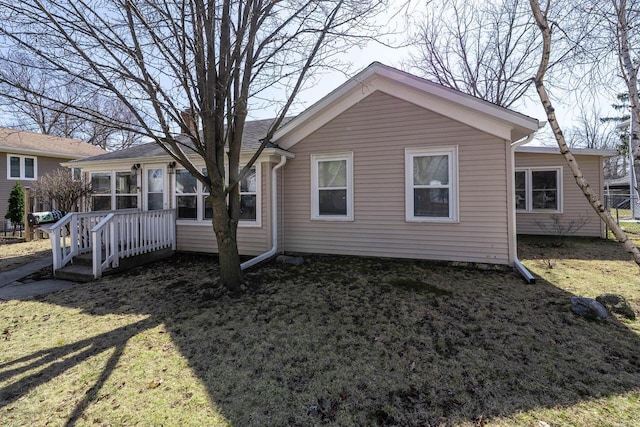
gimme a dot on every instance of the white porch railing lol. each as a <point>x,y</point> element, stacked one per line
<point>111,236</point>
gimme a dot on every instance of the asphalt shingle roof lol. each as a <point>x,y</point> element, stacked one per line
<point>18,139</point>
<point>254,131</point>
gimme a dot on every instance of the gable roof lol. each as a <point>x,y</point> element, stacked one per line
<point>22,142</point>
<point>475,112</point>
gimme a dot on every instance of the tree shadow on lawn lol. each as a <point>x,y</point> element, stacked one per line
<point>363,341</point>
<point>575,248</point>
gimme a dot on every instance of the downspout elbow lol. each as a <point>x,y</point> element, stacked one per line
<point>274,219</point>
<point>526,274</point>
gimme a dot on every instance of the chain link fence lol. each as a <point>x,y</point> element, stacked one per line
<point>625,209</point>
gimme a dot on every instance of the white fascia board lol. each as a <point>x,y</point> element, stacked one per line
<point>497,121</point>
<point>120,163</point>
<point>575,151</point>
<point>42,153</point>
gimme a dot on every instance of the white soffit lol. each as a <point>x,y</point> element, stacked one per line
<point>481,115</point>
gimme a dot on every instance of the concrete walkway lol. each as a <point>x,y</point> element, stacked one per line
<point>12,288</point>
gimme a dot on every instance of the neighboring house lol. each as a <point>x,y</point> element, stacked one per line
<point>387,165</point>
<point>26,156</point>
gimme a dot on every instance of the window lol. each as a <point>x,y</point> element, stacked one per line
<point>206,207</point>
<point>114,190</point>
<point>431,192</point>
<point>538,190</point>
<point>76,174</point>
<point>249,196</point>
<point>332,187</point>
<point>101,191</point>
<point>191,195</point>
<point>21,167</point>
<point>186,195</point>
<point>126,190</point>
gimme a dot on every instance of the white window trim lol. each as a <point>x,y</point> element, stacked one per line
<point>258,220</point>
<point>452,153</point>
<point>315,208</point>
<point>529,190</point>
<point>112,185</point>
<point>201,193</point>
<point>22,176</point>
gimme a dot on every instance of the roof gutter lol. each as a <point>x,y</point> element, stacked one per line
<point>274,219</point>
<point>43,153</point>
<point>528,277</point>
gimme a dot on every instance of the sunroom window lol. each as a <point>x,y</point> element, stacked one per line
<point>114,190</point>
<point>101,191</point>
<point>126,190</point>
<point>191,197</point>
<point>186,195</point>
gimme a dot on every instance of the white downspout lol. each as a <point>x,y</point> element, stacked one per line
<point>530,278</point>
<point>274,219</point>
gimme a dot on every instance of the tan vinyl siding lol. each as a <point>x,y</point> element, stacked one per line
<point>377,131</point>
<point>575,205</point>
<point>252,240</point>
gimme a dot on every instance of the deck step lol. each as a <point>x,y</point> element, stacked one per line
<point>84,259</point>
<point>75,273</point>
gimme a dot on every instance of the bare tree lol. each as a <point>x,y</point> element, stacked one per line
<point>594,131</point>
<point>486,49</point>
<point>162,57</point>
<point>541,17</point>
<point>46,101</point>
<point>626,14</point>
<point>60,188</point>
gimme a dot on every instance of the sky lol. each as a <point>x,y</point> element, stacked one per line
<point>567,104</point>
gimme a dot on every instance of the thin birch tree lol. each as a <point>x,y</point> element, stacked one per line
<point>541,17</point>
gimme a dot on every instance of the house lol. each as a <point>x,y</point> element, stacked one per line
<point>386,165</point>
<point>25,156</point>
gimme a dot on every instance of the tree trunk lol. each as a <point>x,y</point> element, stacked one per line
<point>226,237</point>
<point>588,192</point>
<point>630,74</point>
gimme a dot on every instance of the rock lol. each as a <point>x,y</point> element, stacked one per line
<point>290,260</point>
<point>588,308</point>
<point>617,304</point>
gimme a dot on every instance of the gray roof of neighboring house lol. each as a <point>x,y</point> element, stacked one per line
<point>37,143</point>
<point>621,181</point>
<point>254,131</point>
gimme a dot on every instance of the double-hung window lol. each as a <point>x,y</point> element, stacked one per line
<point>431,184</point>
<point>249,196</point>
<point>21,167</point>
<point>332,187</point>
<point>538,189</point>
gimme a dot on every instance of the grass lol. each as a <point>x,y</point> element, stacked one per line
<point>336,341</point>
<point>13,255</point>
